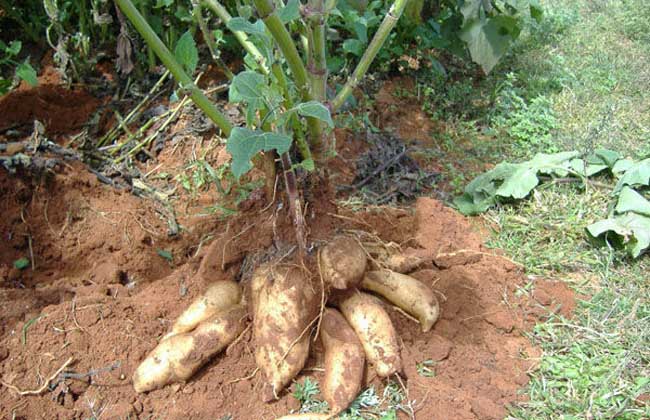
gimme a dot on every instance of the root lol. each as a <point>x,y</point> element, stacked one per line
<point>43,387</point>
<point>322,297</point>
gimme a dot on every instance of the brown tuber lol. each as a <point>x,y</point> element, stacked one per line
<point>342,262</point>
<point>344,361</point>
<point>375,331</point>
<point>176,358</point>
<point>407,293</point>
<point>284,306</point>
<point>218,297</point>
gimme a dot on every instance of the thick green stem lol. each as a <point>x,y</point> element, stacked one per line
<point>223,14</point>
<point>317,64</point>
<point>197,12</point>
<point>377,42</point>
<point>151,56</point>
<point>266,10</point>
<point>168,59</point>
<point>298,133</point>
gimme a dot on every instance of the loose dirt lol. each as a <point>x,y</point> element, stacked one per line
<point>103,291</point>
<point>103,295</point>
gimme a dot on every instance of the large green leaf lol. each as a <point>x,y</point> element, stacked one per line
<point>243,144</point>
<point>630,231</point>
<point>247,86</point>
<point>186,52</point>
<point>487,40</point>
<point>636,174</point>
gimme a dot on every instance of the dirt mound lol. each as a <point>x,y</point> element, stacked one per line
<point>103,295</point>
<point>59,109</point>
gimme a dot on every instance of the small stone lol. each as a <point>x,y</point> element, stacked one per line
<point>188,390</point>
<point>122,377</point>
<point>138,407</point>
<point>439,347</point>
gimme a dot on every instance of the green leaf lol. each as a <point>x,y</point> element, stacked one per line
<point>354,46</point>
<point>186,52</point>
<point>22,263</point>
<point>165,254</point>
<point>605,157</point>
<point>247,86</point>
<point>631,201</point>
<point>536,11</point>
<point>637,174</point>
<point>243,25</point>
<point>290,12</point>
<point>14,48</point>
<point>630,231</point>
<point>511,181</point>
<point>243,144</point>
<point>584,168</point>
<point>621,166</point>
<point>27,73</point>
<point>315,109</point>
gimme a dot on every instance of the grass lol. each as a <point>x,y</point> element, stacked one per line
<point>577,81</point>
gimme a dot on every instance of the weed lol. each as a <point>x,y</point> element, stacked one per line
<point>426,368</point>
<point>530,124</point>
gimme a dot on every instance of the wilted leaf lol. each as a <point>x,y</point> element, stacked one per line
<point>511,181</point>
<point>630,231</point>
<point>631,201</point>
<point>186,52</point>
<point>243,144</point>
<point>636,174</point>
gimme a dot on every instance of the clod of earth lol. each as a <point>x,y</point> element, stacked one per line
<point>287,303</point>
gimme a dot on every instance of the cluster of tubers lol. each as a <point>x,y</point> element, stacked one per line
<point>285,306</point>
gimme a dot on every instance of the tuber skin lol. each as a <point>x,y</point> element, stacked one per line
<point>343,262</point>
<point>178,357</point>
<point>375,331</point>
<point>344,361</point>
<point>218,297</point>
<point>284,305</point>
<point>406,292</point>
<point>404,263</point>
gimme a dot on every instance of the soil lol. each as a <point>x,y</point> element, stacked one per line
<point>102,290</point>
<point>58,108</point>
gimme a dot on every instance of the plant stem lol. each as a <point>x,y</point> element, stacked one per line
<point>317,64</point>
<point>298,133</point>
<point>197,12</point>
<point>266,10</point>
<point>168,59</point>
<point>369,55</point>
<point>223,14</point>
<point>151,56</point>
<point>295,204</point>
